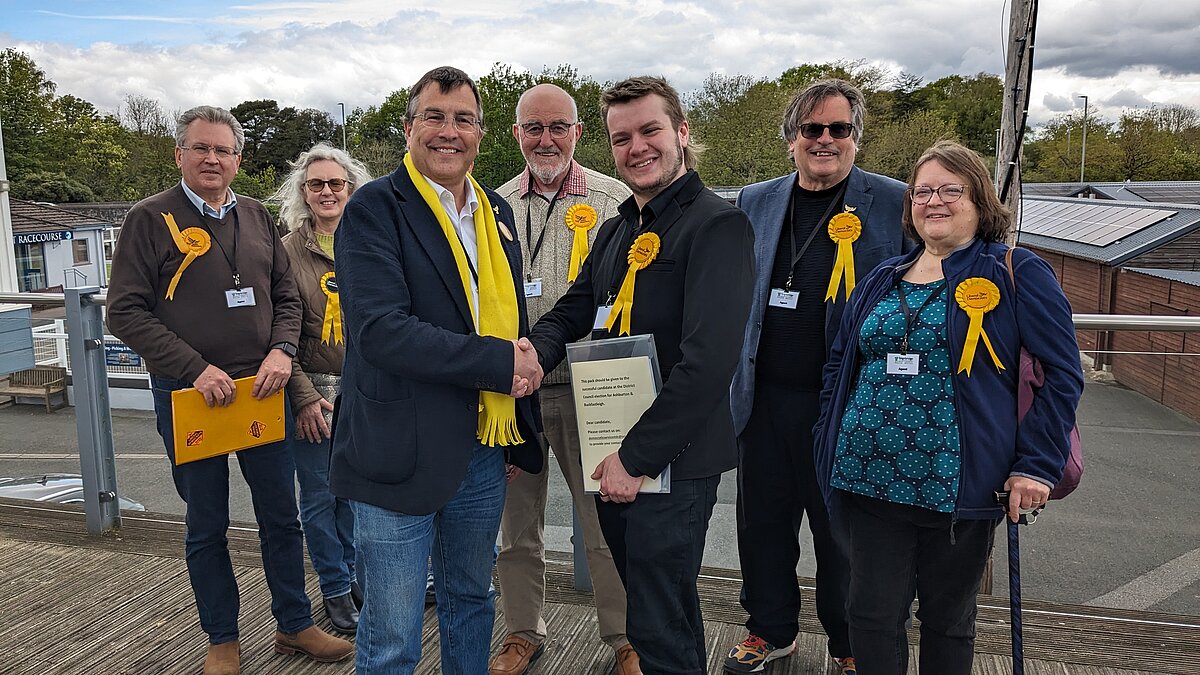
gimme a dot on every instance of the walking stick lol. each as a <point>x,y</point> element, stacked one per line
<point>1014,596</point>
<point>1014,580</point>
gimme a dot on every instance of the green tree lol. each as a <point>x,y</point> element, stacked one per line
<point>736,119</point>
<point>275,136</point>
<point>150,142</point>
<point>376,133</point>
<point>499,154</point>
<point>89,147</point>
<point>52,186</point>
<point>1145,151</point>
<point>260,184</point>
<point>26,109</point>
<point>895,146</point>
<point>972,105</point>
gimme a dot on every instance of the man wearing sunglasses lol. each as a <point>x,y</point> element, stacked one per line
<point>558,206</point>
<point>804,276</point>
<point>202,289</point>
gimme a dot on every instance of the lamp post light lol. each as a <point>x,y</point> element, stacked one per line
<point>1083,147</point>
<point>343,107</point>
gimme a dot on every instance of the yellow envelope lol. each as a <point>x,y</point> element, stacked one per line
<point>201,432</point>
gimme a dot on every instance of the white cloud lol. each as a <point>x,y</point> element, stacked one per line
<point>316,53</point>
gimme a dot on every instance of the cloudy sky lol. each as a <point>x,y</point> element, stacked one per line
<point>315,53</point>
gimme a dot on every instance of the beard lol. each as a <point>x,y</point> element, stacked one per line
<point>546,173</point>
<point>668,175</point>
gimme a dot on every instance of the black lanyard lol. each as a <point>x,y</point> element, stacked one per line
<point>791,224</point>
<point>232,260</point>
<point>910,317</point>
<point>537,247</point>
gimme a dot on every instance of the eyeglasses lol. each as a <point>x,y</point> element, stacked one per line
<point>813,131</point>
<point>559,130</point>
<point>950,193</point>
<point>201,150</point>
<point>335,184</point>
<point>436,119</point>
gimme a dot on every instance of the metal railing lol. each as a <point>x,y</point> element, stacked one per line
<point>86,360</point>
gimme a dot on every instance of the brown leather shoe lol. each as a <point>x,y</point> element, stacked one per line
<point>515,656</point>
<point>314,643</point>
<point>628,662</point>
<point>223,659</point>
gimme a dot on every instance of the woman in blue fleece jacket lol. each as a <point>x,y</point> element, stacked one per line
<point>919,420</point>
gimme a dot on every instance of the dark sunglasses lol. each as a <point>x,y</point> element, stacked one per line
<point>813,131</point>
<point>335,184</point>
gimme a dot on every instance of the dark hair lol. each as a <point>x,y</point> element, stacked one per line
<point>805,101</point>
<point>448,78</point>
<point>639,87</point>
<point>995,219</point>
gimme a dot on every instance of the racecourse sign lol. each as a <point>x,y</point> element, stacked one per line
<point>42,237</point>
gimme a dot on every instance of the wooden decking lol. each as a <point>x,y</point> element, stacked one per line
<point>70,603</point>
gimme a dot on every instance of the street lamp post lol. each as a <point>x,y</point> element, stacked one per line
<point>1083,147</point>
<point>343,107</point>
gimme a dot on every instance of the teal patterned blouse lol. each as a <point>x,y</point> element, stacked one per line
<point>899,437</point>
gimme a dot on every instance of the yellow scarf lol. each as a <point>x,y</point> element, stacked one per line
<point>497,299</point>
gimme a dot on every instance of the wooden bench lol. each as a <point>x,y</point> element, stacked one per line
<point>44,382</point>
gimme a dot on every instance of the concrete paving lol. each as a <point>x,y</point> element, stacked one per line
<point>1128,538</point>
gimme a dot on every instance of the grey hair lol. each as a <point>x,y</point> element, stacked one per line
<point>293,210</point>
<point>806,101</point>
<point>212,114</point>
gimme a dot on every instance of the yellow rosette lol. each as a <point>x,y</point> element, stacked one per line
<point>192,243</point>
<point>976,296</point>
<point>331,328</point>
<point>641,254</point>
<point>580,218</point>
<point>844,230</point>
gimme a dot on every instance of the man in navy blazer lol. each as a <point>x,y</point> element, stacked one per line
<point>406,446</point>
<point>776,390</point>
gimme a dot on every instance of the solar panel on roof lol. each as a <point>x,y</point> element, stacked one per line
<point>1087,223</point>
<point>1179,194</point>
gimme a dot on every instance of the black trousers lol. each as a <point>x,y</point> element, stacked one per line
<point>657,544</point>
<point>777,485</point>
<point>896,552</point>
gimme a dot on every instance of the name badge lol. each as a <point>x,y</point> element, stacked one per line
<point>533,288</point>
<point>601,317</point>
<point>240,297</point>
<point>784,299</point>
<point>903,364</point>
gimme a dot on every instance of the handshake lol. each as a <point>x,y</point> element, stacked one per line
<point>527,370</point>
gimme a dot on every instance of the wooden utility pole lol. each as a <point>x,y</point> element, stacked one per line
<point>1018,72</point>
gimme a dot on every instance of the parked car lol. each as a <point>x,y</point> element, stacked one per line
<point>61,488</point>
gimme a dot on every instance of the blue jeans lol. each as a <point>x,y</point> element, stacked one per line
<point>328,521</point>
<point>393,550</point>
<point>204,486</point>
<point>897,552</point>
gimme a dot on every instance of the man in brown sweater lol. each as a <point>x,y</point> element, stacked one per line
<point>201,289</point>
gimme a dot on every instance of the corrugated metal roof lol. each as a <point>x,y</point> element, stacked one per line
<point>1169,191</point>
<point>1044,225</point>
<point>37,217</point>
<point>1183,276</point>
